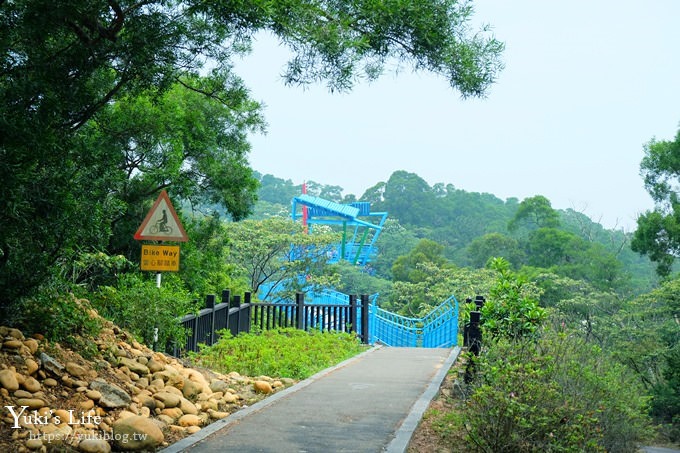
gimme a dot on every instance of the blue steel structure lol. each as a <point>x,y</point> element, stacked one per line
<point>365,225</point>
<point>439,329</point>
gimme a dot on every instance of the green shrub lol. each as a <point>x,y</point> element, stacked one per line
<point>136,304</point>
<point>556,393</point>
<point>282,352</point>
<point>60,316</point>
<point>509,311</point>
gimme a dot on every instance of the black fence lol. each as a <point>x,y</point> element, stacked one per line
<point>239,315</point>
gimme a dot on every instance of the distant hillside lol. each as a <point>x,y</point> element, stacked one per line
<point>457,219</point>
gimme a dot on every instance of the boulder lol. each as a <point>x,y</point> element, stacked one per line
<point>32,345</point>
<point>155,366</point>
<point>75,370</point>
<point>218,385</point>
<point>12,344</point>
<point>34,444</point>
<point>168,399</point>
<point>94,446</point>
<point>8,380</point>
<point>189,420</point>
<point>112,396</point>
<point>52,365</point>
<point>32,403</point>
<point>31,384</point>
<point>31,366</point>
<point>187,406</point>
<point>137,433</point>
<point>191,389</point>
<point>134,366</point>
<point>263,387</point>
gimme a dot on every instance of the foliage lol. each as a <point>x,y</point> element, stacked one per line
<point>283,353</point>
<point>644,336</point>
<point>535,212</point>
<point>60,316</point>
<point>553,393</point>
<point>494,245</point>
<point>205,268</point>
<point>418,299</point>
<point>511,311</point>
<point>89,270</point>
<point>408,268</point>
<point>394,241</point>
<point>104,103</point>
<point>136,304</point>
<point>275,251</point>
<point>658,232</point>
<point>356,280</point>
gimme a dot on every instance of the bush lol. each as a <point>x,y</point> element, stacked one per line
<point>136,304</point>
<point>60,316</point>
<point>554,394</point>
<point>510,312</point>
<point>282,352</point>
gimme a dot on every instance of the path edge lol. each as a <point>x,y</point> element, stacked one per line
<point>189,441</point>
<point>404,433</point>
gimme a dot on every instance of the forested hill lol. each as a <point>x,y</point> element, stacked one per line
<point>471,227</point>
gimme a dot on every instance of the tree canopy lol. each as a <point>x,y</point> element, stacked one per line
<point>658,232</point>
<point>99,105</point>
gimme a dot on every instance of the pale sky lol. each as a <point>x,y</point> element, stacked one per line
<point>586,84</point>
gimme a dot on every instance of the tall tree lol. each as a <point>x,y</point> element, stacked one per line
<point>275,251</point>
<point>535,212</point>
<point>63,64</point>
<point>658,232</point>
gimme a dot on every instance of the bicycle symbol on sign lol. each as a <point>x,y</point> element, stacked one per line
<point>161,225</point>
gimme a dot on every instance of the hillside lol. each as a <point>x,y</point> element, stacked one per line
<point>470,226</point>
<point>124,397</point>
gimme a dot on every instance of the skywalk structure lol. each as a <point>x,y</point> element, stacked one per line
<point>360,227</point>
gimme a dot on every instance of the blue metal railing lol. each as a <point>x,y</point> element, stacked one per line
<point>439,329</point>
<point>440,326</point>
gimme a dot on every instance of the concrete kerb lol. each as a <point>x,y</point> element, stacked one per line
<point>403,435</point>
<point>188,442</point>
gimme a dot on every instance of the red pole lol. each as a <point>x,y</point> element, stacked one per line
<point>304,210</point>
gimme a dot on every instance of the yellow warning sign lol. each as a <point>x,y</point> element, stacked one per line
<point>160,258</point>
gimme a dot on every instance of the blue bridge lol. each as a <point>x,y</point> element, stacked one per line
<point>439,329</point>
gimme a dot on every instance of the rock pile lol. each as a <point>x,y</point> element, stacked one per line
<point>129,398</point>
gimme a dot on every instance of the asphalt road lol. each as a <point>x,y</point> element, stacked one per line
<point>371,403</point>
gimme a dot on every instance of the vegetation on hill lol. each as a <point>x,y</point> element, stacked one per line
<point>105,104</point>
<point>595,289</point>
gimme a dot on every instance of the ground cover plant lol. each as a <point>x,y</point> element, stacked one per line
<point>285,352</point>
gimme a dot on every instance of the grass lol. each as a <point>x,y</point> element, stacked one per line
<point>286,352</point>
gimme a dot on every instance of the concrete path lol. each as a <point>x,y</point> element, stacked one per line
<point>370,403</point>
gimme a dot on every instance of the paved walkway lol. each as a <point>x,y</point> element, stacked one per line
<point>370,403</point>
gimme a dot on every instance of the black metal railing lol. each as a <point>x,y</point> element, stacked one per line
<point>239,316</point>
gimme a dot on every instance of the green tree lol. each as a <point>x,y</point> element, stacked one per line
<point>658,232</point>
<point>65,65</point>
<point>180,139</point>
<point>534,212</point>
<point>555,392</point>
<point>406,269</point>
<point>512,309</point>
<point>494,245</point>
<point>275,251</point>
